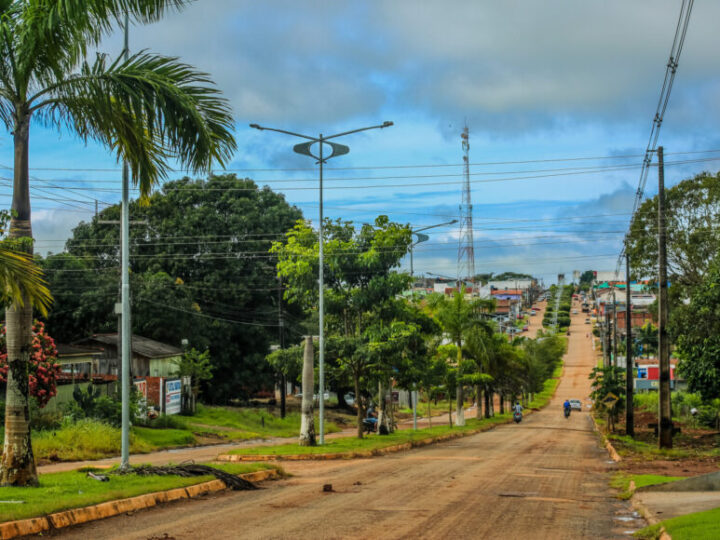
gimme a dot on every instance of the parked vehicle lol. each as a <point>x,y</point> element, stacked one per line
<point>369,425</point>
<point>587,321</point>
<point>576,405</point>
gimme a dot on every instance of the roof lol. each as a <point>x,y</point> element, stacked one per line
<point>65,350</point>
<point>514,292</point>
<point>143,346</point>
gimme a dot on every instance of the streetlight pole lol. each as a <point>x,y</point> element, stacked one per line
<point>337,150</point>
<point>421,238</point>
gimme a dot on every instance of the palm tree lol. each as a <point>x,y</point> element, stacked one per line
<point>20,279</point>
<point>457,317</point>
<point>147,109</point>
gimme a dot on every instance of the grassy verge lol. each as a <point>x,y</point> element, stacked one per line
<point>698,526</point>
<point>374,442</point>
<point>627,446</point>
<point>543,397</point>
<point>74,489</point>
<point>621,481</point>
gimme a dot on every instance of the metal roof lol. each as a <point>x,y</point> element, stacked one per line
<point>143,346</point>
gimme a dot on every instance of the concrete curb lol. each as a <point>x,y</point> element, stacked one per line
<point>645,512</point>
<point>76,516</point>
<point>360,453</point>
<point>608,445</point>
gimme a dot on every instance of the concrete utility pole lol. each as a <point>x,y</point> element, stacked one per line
<point>125,280</point>
<point>281,337</point>
<point>629,378</point>
<point>664,411</point>
<point>615,331</point>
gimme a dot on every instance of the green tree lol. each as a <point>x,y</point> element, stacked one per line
<point>362,312</point>
<point>146,109</point>
<point>693,238</point>
<point>606,381</point>
<point>201,259</point>
<point>198,366</point>
<point>647,338</point>
<point>457,317</point>
<point>697,329</point>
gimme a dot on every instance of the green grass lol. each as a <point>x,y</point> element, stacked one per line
<point>373,442</point>
<point>627,446</point>
<point>697,526</point>
<point>164,438</point>
<point>621,481</point>
<point>236,423</point>
<point>74,489</point>
<point>85,439</point>
<point>542,398</point>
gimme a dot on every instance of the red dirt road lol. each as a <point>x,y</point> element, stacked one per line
<point>544,478</point>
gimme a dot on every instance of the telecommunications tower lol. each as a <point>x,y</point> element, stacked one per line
<point>466,246</point>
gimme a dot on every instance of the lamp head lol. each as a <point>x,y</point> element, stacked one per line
<point>387,123</point>
<point>256,126</point>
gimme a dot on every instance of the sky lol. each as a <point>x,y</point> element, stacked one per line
<point>558,97</point>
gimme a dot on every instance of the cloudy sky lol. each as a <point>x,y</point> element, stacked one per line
<point>558,96</point>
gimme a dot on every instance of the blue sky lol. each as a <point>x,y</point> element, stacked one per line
<point>537,82</point>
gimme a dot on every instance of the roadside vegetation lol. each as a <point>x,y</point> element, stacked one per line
<point>75,489</point>
<point>695,526</point>
<point>621,481</point>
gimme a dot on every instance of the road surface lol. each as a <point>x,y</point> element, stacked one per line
<point>544,478</point>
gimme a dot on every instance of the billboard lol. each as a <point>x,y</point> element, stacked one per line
<point>173,396</point>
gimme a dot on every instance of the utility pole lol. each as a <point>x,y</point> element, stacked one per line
<point>281,336</point>
<point>615,331</point>
<point>125,280</point>
<point>629,378</point>
<point>664,411</point>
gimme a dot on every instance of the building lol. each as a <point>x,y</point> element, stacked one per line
<point>149,358</point>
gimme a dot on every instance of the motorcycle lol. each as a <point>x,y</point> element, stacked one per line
<point>517,416</point>
<point>368,425</point>
<point>567,412</point>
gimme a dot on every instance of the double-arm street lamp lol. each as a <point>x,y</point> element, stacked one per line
<point>424,238</point>
<point>336,150</point>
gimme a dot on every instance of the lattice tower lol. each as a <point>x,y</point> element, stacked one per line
<point>466,246</point>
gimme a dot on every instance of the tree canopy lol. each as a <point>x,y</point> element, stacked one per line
<point>200,270</point>
<point>693,238</point>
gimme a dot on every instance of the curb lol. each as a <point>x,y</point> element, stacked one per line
<point>360,453</point>
<point>608,445</point>
<point>645,512</point>
<point>76,516</point>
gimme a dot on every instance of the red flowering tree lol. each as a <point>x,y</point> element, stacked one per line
<point>43,368</point>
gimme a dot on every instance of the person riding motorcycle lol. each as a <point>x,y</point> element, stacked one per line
<point>517,407</point>
<point>566,407</point>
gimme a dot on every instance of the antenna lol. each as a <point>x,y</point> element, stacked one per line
<point>466,246</point>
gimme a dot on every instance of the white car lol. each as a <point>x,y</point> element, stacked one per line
<point>575,405</point>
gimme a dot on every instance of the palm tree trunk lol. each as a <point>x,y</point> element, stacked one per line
<point>460,414</point>
<point>17,467</point>
<point>478,400</point>
<point>307,418</point>
<point>487,397</point>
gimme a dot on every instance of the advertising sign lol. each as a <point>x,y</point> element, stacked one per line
<point>173,388</point>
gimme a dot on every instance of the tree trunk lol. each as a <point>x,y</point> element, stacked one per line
<point>383,423</point>
<point>360,411</point>
<point>460,414</point>
<point>307,418</point>
<point>17,466</point>
<point>502,404</point>
<point>487,404</point>
<point>429,411</point>
<point>478,400</point>
<point>450,410</point>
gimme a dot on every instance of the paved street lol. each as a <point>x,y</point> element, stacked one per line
<point>544,478</point>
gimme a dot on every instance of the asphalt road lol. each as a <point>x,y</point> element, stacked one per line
<point>544,478</point>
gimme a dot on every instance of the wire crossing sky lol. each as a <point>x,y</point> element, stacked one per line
<point>557,96</point>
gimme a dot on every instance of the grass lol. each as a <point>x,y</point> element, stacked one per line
<point>74,489</point>
<point>627,446</point>
<point>543,397</point>
<point>85,439</point>
<point>697,526</point>
<point>374,442</point>
<point>621,481</point>
<point>164,438</point>
<point>235,423</point>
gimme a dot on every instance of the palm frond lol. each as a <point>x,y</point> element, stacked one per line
<point>148,109</point>
<point>21,278</point>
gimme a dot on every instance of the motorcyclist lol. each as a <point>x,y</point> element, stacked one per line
<point>517,408</point>
<point>566,407</point>
<point>371,418</point>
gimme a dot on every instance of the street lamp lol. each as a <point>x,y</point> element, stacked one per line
<point>421,238</point>
<point>424,238</point>
<point>336,150</point>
